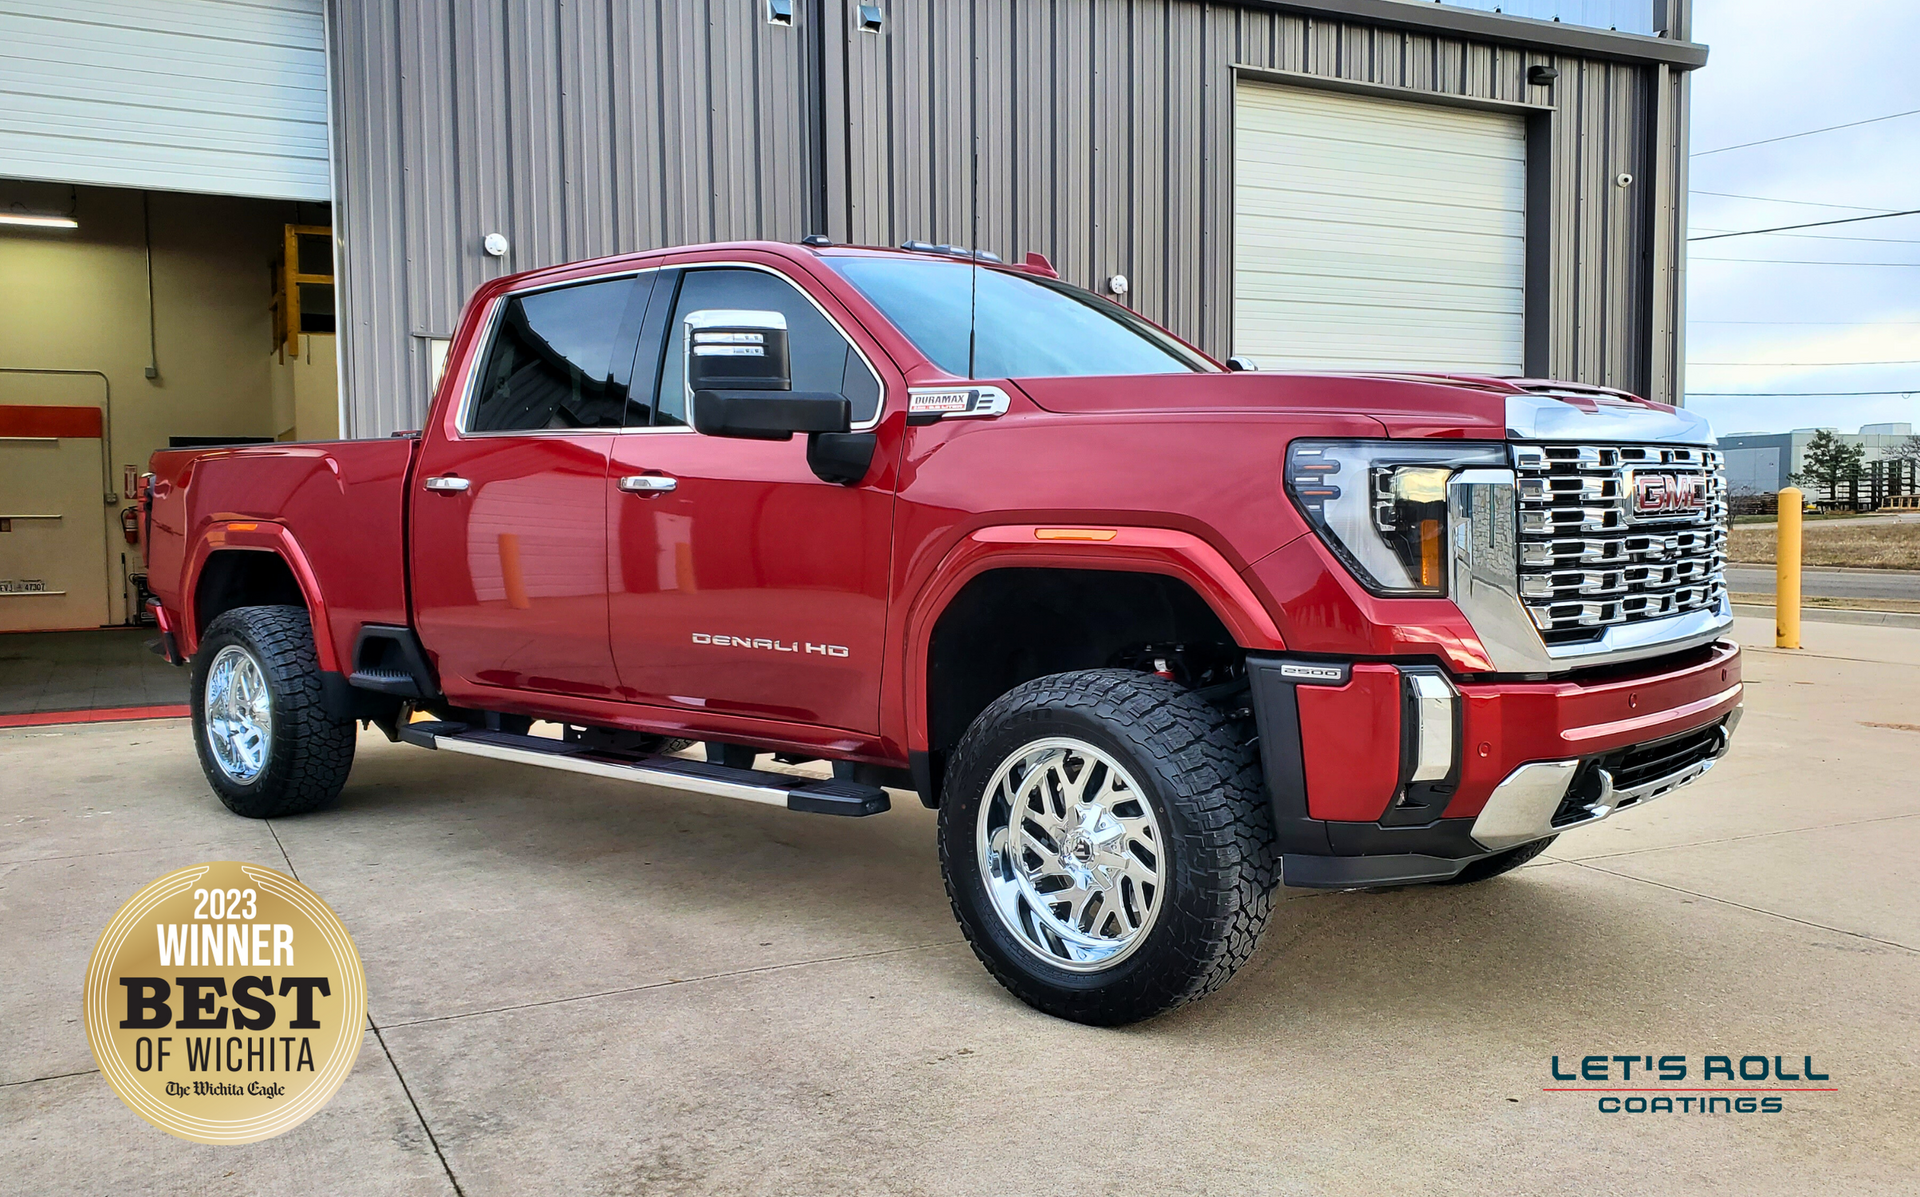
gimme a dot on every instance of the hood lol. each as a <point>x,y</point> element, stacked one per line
<point>1448,406</point>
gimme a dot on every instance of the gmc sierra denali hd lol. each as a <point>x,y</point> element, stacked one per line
<point>1152,634</point>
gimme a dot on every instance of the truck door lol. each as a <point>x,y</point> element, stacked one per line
<point>509,529</point>
<point>741,584</point>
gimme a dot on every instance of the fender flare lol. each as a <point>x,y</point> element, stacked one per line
<point>1163,551</point>
<point>255,536</point>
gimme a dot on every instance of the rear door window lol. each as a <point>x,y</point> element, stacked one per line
<point>556,362</point>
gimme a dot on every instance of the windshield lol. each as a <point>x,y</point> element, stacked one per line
<point>1027,327</point>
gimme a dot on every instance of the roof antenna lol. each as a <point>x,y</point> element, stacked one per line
<point>973,279</point>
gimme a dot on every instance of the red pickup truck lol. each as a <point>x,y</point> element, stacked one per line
<point>1152,633</point>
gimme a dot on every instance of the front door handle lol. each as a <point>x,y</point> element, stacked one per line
<point>648,484</point>
<point>448,484</point>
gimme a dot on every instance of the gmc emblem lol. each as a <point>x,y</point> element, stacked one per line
<point>1658,493</point>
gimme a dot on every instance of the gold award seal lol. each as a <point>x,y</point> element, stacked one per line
<point>225,1003</point>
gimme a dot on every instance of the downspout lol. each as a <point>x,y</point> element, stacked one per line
<point>153,340</point>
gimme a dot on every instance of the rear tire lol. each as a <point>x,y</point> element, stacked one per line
<point>1140,871</point>
<point>1499,862</point>
<point>265,741</point>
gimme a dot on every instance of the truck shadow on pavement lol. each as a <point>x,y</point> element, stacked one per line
<point>679,886</point>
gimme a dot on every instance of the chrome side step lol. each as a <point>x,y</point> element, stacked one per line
<point>820,796</point>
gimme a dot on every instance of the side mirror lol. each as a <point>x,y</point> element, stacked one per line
<point>736,350</point>
<point>1238,364</point>
<point>740,380</point>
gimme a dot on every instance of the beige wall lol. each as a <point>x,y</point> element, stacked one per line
<point>306,390</point>
<point>77,299</point>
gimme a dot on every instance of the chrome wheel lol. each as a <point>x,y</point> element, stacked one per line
<point>1071,854</point>
<point>239,715</point>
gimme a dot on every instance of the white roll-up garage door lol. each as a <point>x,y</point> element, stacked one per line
<point>1374,234</point>
<point>220,96</point>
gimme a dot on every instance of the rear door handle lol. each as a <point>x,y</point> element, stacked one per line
<point>648,484</point>
<point>448,484</point>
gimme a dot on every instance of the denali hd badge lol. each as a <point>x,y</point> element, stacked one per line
<point>1655,493</point>
<point>766,645</point>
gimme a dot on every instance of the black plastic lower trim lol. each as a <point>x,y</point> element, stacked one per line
<point>1360,872</point>
<point>925,771</point>
<point>1324,854</point>
<point>166,649</point>
<point>1276,713</point>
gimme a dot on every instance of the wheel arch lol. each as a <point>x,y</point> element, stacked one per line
<point>246,564</point>
<point>1120,582</point>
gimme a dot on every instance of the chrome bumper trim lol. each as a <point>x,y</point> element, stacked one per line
<point>1521,807</point>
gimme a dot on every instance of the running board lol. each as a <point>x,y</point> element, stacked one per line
<point>820,796</point>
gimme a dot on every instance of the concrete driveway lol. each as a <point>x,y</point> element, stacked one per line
<point>583,987</point>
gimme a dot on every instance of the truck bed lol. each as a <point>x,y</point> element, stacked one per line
<point>338,505</point>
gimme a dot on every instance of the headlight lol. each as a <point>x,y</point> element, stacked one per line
<point>1381,506</point>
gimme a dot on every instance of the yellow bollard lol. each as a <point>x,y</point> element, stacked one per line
<point>1786,571</point>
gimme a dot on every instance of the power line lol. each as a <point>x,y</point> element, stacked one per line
<point>1774,365</point>
<point>1872,120</point>
<point>1802,323</point>
<point>1825,237</point>
<point>1817,224</point>
<point>1792,394</point>
<point>1799,262</point>
<point>1767,199</point>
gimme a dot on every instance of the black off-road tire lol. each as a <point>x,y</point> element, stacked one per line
<point>1499,862</point>
<point>309,754</point>
<point>1207,795</point>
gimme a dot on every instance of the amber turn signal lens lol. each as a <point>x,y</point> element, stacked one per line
<point>1430,553</point>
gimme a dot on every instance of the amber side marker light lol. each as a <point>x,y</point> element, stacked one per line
<point>1430,553</point>
<point>1075,533</point>
<point>243,527</point>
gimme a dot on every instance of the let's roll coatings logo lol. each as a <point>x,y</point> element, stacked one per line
<point>225,1003</point>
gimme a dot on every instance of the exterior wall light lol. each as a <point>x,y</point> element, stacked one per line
<point>1117,284</point>
<point>1542,75</point>
<point>495,244</point>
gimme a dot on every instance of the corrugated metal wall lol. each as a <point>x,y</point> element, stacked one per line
<point>586,127</point>
<point>577,128</point>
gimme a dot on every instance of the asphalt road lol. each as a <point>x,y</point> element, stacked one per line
<point>1830,583</point>
<point>590,987</point>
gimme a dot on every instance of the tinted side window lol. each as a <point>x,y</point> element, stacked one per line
<point>551,364</point>
<point>1023,327</point>
<point>822,360</point>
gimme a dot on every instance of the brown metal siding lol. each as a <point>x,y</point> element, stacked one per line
<point>577,128</point>
<point>586,127</point>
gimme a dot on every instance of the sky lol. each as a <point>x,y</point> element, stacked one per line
<point>1780,67</point>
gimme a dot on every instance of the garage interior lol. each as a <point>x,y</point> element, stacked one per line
<point>166,247</point>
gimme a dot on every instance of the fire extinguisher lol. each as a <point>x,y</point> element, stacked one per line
<point>130,524</point>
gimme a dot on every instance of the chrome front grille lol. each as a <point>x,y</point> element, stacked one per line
<point>1618,534</point>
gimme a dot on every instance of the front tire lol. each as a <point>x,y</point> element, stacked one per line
<point>265,741</point>
<point>1107,845</point>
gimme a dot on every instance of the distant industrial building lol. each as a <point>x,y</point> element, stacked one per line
<point>1761,463</point>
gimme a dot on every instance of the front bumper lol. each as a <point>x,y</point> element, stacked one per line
<point>1384,773</point>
